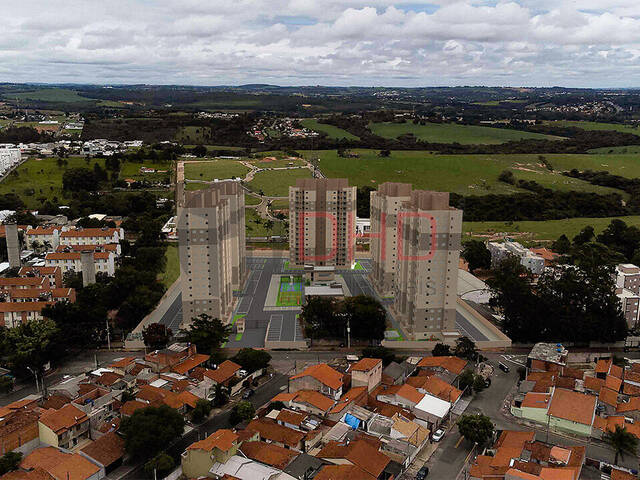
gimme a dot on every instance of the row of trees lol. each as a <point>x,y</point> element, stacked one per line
<point>328,318</point>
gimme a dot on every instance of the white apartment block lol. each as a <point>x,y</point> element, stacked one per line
<point>210,225</point>
<point>13,314</point>
<point>104,261</point>
<point>48,237</point>
<point>529,260</point>
<point>322,223</point>
<point>91,236</point>
<point>9,157</point>
<point>628,291</point>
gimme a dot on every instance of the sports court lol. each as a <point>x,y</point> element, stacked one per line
<point>290,291</point>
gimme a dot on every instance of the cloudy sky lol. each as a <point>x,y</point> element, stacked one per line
<point>582,43</point>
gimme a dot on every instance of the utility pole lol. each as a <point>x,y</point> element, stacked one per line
<point>348,333</point>
<point>108,335</point>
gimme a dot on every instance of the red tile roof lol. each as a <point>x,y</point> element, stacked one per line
<point>574,406</point>
<point>131,406</point>
<point>324,374</point>
<point>225,371</point>
<point>269,454</point>
<point>315,399</point>
<point>190,363</point>
<point>107,449</point>
<point>450,363</point>
<point>270,430</point>
<point>343,472</point>
<point>405,391</point>
<point>61,465</point>
<point>359,453</point>
<point>61,420</point>
<point>222,439</point>
<point>366,364</point>
<point>90,232</point>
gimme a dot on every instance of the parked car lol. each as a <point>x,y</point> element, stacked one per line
<point>437,435</point>
<point>422,473</point>
<point>242,373</point>
<point>503,367</point>
<point>247,393</point>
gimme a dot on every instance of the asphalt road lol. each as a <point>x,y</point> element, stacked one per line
<point>263,394</point>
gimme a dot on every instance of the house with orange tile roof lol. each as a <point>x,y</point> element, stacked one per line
<point>359,453</point>
<point>343,472</point>
<point>130,406</point>
<point>270,431</point>
<point>290,418</point>
<point>320,377</point>
<point>268,453</point>
<point>404,395</point>
<point>617,474</point>
<point>63,428</point>
<point>54,274</point>
<point>108,451</point>
<point>438,388</point>
<point>200,456</point>
<point>189,364</point>
<point>45,236</point>
<point>312,401</point>
<point>356,395</point>
<point>547,357</point>
<point>226,372</point>
<point>13,314</point>
<point>19,430</point>
<point>62,465</point>
<point>451,364</point>
<point>572,411</point>
<point>164,360</point>
<point>366,372</point>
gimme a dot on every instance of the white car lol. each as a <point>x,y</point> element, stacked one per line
<point>437,436</point>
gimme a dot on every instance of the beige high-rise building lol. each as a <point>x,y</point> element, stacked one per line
<point>210,225</point>
<point>415,250</point>
<point>322,224</point>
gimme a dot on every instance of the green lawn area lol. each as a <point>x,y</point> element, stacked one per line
<point>212,169</point>
<point>217,147</point>
<point>451,132</point>
<point>172,268</point>
<point>279,162</point>
<point>467,174</point>
<point>280,205</point>
<point>132,170</point>
<point>41,178</point>
<point>49,95</point>
<point>254,229</point>
<point>330,130</point>
<point>597,126</point>
<point>544,230</point>
<point>275,183</point>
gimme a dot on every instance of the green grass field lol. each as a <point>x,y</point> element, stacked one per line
<point>332,131</point>
<point>251,200</point>
<point>212,169</point>
<point>616,150</point>
<point>275,183</point>
<point>172,267</point>
<point>279,162</point>
<point>49,95</point>
<point>258,229</point>
<point>280,205</point>
<point>451,132</point>
<point>132,170</point>
<point>597,126</point>
<point>41,178</point>
<point>467,174</point>
<point>544,230</point>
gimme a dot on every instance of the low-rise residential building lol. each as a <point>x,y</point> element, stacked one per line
<point>366,372</point>
<point>47,238</point>
<point>104,261</point>
<point>64,427</point>
<point>13,314</point>
<point>91,236</point>
<point>531,261</point>
<point>320,377</point>
<point>58,464</point>
<point>19,429</point>
<point>200,457</point>
<point>54,274</point>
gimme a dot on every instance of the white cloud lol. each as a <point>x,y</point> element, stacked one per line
<point>357,42</point>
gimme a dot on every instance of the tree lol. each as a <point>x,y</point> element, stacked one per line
<point>465,381</point>
<point>466,348</point>
<point>162,463</point>
<point>220,396</point>
<point>156,335</point>
<point>478,383</point>
<point>367,316</point>
<point>585,236</point>
<point>200,150</point>
<point>9,462</point>
<point>6,384</point>
<point>252,360</point>
<point>562,245</point>
<point>385,354</point>
<point>441,350</point>
<point>242,411</point>
<point>507,176</point>
<point>385,153</point>
<point>201,411</point>
<point>621,441</point>
<point>207,333</point>
<point>277,405</point>
<point>476,428</point>
<point>476,254</point>
<point>149,430</point>
<point>31,345</point>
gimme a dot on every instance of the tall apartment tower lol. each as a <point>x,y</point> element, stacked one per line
<point>322,224</point>
<point>210,225</point>
<point>88,267</point>
<point>386,202</point>
<point>415,249</point>
<point>13,245</point>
